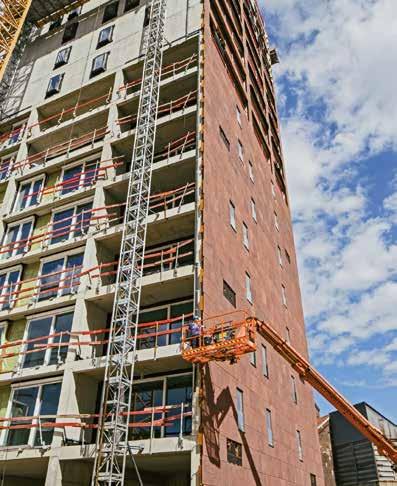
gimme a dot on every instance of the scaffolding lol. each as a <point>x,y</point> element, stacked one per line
<point>112,441</point>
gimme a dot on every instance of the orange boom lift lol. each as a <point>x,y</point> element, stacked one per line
<point>226,339</point>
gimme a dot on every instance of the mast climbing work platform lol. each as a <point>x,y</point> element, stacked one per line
<point>112,440</point>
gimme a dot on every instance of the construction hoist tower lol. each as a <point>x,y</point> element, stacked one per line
<point>112,439</point>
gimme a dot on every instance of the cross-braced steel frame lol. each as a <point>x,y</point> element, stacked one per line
<point>112,440</point>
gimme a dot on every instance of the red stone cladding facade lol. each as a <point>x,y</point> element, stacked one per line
<point>226,178</point>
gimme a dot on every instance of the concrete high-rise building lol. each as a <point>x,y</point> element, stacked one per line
<point>219,240</point>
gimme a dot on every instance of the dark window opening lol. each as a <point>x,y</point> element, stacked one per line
<point>224,138</point>
<point>63,57</point>
<point>146,20</point>
<point>234,452</point>
<point>110,12</point>
<point>70,32</point>
<point>99,64</point>
<point>130,4</point>
<point>105,36</point>
<point>313,480</point>
<point>287,256</point>
<point>229,293</point>
<point>55,24</point>
<point>74,13</point>
<point>55,85</point>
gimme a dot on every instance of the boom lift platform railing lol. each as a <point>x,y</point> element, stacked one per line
<point>228,337</point>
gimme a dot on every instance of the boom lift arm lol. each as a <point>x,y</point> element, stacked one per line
<point>228,340</point>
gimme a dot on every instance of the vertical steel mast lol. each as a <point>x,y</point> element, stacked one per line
<point>112,440</point>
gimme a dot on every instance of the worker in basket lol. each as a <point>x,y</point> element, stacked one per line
<point>193,334</point>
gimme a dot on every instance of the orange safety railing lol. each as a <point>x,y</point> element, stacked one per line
<point>172,199</point>
<point>177,146</point>
<point>166,108</point>
<point>170,69</point>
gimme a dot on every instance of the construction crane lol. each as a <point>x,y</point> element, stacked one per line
<point>227,339</point>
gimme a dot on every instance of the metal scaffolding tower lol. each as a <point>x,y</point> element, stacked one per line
<point>112,440</point>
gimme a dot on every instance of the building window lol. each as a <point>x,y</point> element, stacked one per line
<point>146,20</point>
<point>229,293</point>
<point>29,402</point>
<point>79,176</point>
<point>99,64</point>
<point>240,409</point>
<point>110,12</point>
<point>273,189</point>
<point>9,282</point>
<point>16,238</point>
<point>43,331</point>
<point>130,4</point>
<point>248,290</point>
<point>6,164</point>
<point>240,150</point>
<point>280,256</point>
<point>294,390</point>
<point>18,129</point>
<point>224,138</point>
<point>284,295</point>
<point>232,215</point>
<point>70,32</point>
<point>71,223</point>
<point>105,36</point>
<point>313,480</point>
<point>299,444</point>
<point>251,171</point>
<point>287,256</point>
<point>3,332</point>
<point>245,236</point>
<point>29,193</point>
<point>253,358</point>
<point>269,428</point>
<point>276,225</point>
<point>253,210</point>
<point>238,115</point>
<point>265,365</point>
<point>55,85</point>
<point>63,57</point>
<point>287,335</point>
<point>174,316</point>
<point>74,13</point>
<point>55,24</point>
<point>60,277</point>
<point>234,452</point>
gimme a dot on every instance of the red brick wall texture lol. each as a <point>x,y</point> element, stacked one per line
<point>226,178</point>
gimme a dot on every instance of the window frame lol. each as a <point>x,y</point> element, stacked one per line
<point>251,171</point>
<point>269,427</point>
<point>276,222</point>
<point>38,403</point>
<point>240,150</point>
<point>299,444</point>
<point>133,7</point>
<point>284,295</point>
<point>280,256</point>
<point>232,215</point>
<point>109,40</point>
<point>253,210</point>
<point>265,361</point>
<point>70,28</point>
<point>29,319</point>
<point>3,331</point>
<point>53,258</point>
<point>103,68</point>
<point>108,6</point>
<point>12,159</point>
<point>248,288</point>
<point>240,409</point>
<point>224,138</point>
<point>238,116</point>
<point>12,253</point>
<point>83,162</point>
<point>4,291</point>
<point>21,124</point>
<point>74,205</point>
<point>294,390</point>
<point>246,241</point>
<point>62,62</point>
<point>55,91</point>
<point>31,181</point>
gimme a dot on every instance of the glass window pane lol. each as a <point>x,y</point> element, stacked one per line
<point>49,284</point>
<point>37,329</point>
<point>71,279</point>
<point>23,196</point>
<point>83,218</point>
<point>90,173</point>
<point>34,199</point>
<point>10,288</point>
<point>25,233</point>
<point>49,406</point>
<point>23,405</point>
<point>179,391</point>
<point>185,309</point>
<point>152,316</point>
<point>63,324</point>
<point>61,225</point>
<point>71,179</point>
<point>146,395</point>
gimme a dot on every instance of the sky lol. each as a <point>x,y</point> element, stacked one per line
<point>336,90</point>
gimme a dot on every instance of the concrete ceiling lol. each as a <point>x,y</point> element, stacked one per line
<point>42,11</point>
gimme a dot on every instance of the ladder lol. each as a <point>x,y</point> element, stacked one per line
<point>113,426</point>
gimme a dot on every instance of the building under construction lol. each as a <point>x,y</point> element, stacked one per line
<point>143,192</point>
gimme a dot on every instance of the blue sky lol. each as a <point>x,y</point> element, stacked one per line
<point>336,88</point>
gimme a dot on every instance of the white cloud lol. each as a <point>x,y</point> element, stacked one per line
<point>337,82</point>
